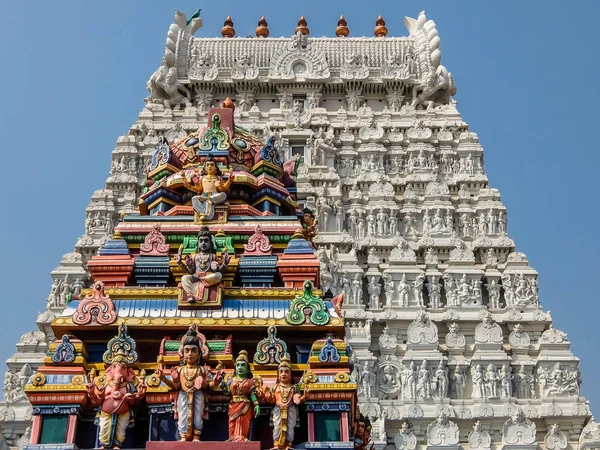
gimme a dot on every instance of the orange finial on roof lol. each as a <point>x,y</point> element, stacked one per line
<point>302,27</point>
<point>342,30</point>
<point>227,103</point>
<point>380,28</point>
<point>228,31</point>
<point>262,30</point>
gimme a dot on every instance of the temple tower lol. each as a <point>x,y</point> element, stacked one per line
<point>451,346</point>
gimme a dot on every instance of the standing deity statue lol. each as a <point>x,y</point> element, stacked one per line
<point>357,289</point>
<point>243,405</point>
<point>374,291</point>
<point>409,381</point>
<point>389,288</point>
<point>204,270</point>
<point>477,378</point>
<point>424,381</point>
<point>286,398</point>
<point>441,380</point>
<point>117,391</point>
<point>506,378</point>
<point>210,188</point>
<point>403,291</point>
<point>434,289</point>
<point>491,381</point>
<point>190,381</point>
<point>458,382</point>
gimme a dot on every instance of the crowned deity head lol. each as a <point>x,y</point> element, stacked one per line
<point>205,242</point>
<point>191,348</point>
<point>284,371</point>
<point>210,167</point>
<point>242,366</point>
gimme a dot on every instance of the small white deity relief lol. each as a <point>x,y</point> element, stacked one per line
<point>454,338</point>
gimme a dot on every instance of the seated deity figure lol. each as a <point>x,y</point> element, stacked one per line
<point>203,268</point>
<point>191,381</point>
<point>210,187</point>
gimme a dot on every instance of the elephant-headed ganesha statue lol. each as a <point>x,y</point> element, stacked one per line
<point>117,390</point>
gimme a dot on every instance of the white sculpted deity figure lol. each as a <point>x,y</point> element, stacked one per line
<point>441,381</point>
<point>519,430</point>
<point>424,381</point>
<point>479,439</point>
<point>387,340</point>
<point>477,377</point>
<point>488,331</point>
<point>405,439</point>
<point>418,289</point>
<point>346,286</point>
<point>523,383</point>
<point>442,431</point>
<point>389,384</point>
<point>374,291</point>
<point>367,379</point>
<point>389,289</point>
<point>431,256</point>
<point>409,225</point>
<point>403,291</point>
<point>506,378</point>
<point>434,288</point>
<point>458,378</point>
<point>422,330</point>
<point>555,439</point>
<point>494,294</point>
<point>491,381</point>
<point>454,338</point>
<point>519,338</point>
<point>357,289</point>
<point>409,379</point>
<point>558,381</point>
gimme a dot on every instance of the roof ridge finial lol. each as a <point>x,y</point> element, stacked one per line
<point>302,27</point>
<point>262,30</point>
<point>228,31</point>
<point>342,30</point>
<point>380,28</point>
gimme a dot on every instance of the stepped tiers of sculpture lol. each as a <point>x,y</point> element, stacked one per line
<point>299,235</point>
<point>222,328</point>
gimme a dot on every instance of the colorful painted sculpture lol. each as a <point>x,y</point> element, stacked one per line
<point>286,398</point>
<point>264,304</point>
<point>310,224</point>
<point>204,269</point>
<point>210,187</point>
<point>242,388</point>
<point>117,391</point>
<point>191,381</point>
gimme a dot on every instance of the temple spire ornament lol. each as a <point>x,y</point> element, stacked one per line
<point>342,30</point>
<point>302,27</point>
<point>262,30</point>
<point>228,31</point>
<point>380,29</point>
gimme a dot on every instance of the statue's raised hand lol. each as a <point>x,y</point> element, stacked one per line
<point>141,390</point>
<point>160,374</point>
<point>230,172</point>
<point>90,388</point>
<point>226,257</point>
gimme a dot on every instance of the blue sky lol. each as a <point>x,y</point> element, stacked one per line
<point>73,80</point>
